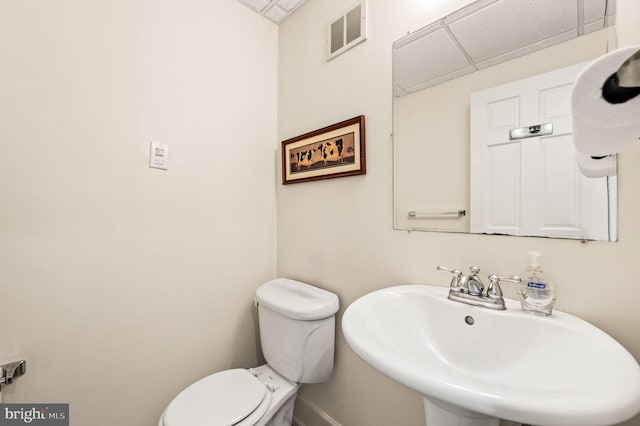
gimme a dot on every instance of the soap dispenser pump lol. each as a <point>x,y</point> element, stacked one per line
<point>536,291</point>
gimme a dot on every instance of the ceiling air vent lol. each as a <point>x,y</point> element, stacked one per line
<point>346,31</point>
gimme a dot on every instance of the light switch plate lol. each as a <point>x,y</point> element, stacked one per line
<point>159,156</point>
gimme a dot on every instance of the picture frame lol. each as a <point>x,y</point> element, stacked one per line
<point>331,152</point>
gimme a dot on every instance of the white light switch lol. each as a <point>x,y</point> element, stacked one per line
<point>159,156</point>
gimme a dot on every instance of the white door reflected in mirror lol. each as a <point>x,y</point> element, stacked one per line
<point>530,184</point>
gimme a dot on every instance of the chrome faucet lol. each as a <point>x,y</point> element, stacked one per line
<point>470,290</point>
<point>471,283</point>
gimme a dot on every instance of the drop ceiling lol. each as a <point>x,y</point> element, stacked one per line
<point>488,32</point>
<point>274,10</point>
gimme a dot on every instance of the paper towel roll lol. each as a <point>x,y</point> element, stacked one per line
<point>601,128</point>
<point>592,168</point>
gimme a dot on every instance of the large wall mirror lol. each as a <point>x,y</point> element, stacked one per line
<point>482,121</point>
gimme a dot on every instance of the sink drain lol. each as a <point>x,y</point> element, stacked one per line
<point>469,320</point>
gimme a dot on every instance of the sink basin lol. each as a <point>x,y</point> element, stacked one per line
<point>474,362</point>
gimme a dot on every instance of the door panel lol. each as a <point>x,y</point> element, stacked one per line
<point>532,186</point>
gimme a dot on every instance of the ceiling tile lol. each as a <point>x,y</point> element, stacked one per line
<point>276,14</point>
<point>488,32</point>
<point>291,4</point>
<point>531,22</point>
<point>256,4</point>
<point>274,10</point>
<point>414,64</point>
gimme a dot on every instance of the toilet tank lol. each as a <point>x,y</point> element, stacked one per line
<point>297,329</point>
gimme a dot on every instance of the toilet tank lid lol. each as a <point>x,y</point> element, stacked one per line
<point>297,300</point>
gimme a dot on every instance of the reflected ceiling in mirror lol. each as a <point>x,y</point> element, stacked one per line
<point>489,32</point>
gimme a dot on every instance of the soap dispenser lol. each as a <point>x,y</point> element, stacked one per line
<point>536,291</point>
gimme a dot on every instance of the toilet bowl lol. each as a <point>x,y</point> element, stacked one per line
<point>255,397</point>
<point>297,331</point>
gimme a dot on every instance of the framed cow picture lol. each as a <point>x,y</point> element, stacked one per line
<point>333,151</point>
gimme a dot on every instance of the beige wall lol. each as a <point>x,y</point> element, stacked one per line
<point>338,233</point>
<point>122,284</point>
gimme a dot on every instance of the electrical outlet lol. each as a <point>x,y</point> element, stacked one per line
<point>159,156</point>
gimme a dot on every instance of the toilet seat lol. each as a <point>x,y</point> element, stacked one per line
<point>230,397</point>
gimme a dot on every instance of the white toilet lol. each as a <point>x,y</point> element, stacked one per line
<point>297,332</point>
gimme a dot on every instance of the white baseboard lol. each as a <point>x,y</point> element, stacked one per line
<point>306,413</point>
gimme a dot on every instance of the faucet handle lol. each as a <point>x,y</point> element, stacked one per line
<point>456,277</point>
<point>494,291</point>
<point>444,268</point>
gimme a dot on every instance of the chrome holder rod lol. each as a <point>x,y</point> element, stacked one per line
<point>424,215</point>
<point>12,370</point>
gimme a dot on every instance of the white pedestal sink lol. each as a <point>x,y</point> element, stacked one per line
<point>475,366</point>
<point>442,414</point>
